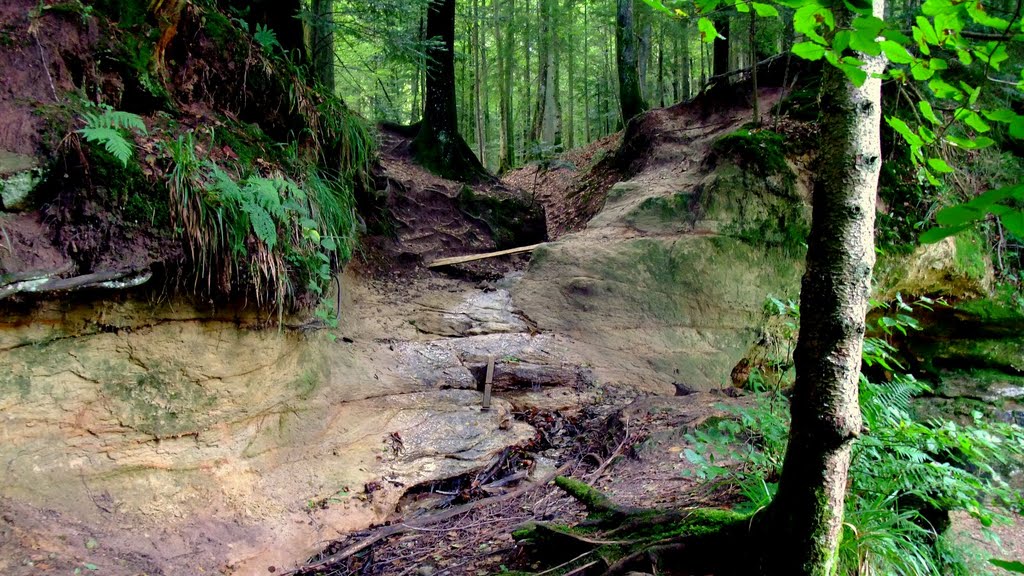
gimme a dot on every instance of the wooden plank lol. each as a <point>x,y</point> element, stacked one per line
<point>472,257</point>
<point>487,383</point>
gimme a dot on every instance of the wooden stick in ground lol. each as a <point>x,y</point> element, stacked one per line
<point>386,531</point>
<point>472,257</point>
<point>488,380</point>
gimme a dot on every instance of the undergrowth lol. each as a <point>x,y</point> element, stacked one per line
<point>906,474</point>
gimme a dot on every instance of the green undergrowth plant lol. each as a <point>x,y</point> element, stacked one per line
<point>276,235</point>
<point>108,128</point>
<point>906,474</point>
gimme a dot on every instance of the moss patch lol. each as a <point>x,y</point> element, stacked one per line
<point>161,402</point>
<point>511,220</point>
<point>760,151</point>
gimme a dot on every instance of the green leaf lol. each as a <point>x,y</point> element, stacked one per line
<point>765,10</point>
<point>1017,129</point>
<point>1004,115</point>
<point>707,29</point>
<point>929,114</point>
<point>262,224</point>
<point>1012,566</point>
<point>945,90</point>
<point>933,235</point>
<point>1014,222</point>
<point>896,52</point>
<point>939,165</point>
<point>936,7</point>
<point>111,140</point>
<point>809,50</point>
<point>927,29</point>
<point>921,72</point>
<point>856,75</point>
<point>841,41</point>
<point>901,127</point>
<point>972,119</point>
<point>958,215</point>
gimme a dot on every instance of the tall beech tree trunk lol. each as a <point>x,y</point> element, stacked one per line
<point>586,75</point>
<point>505,44</point>
<point>546,128</point>
<point>631,98</point>
<point>438,145</point>
<point>802,528</point>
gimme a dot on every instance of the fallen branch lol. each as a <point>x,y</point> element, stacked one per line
<point>472,257</point>
<point>43,283</point>
<point>387,531</point>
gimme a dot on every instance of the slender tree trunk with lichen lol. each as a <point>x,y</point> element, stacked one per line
<point>803,526</point>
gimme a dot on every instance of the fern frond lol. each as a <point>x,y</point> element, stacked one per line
<point>112,141</point>
<point>125,120</point>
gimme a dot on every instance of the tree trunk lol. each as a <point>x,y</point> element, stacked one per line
<point>281,16</point>
<point>687,72</point>
<point>721,47</point>
<point>479,90</point>
<point>644,17</point>
<point>586,75</point>
<point>321,43</point>
<point>505,44</point>
<point>570,123</point>
<point>630,97</point>
<point>545,131</point>
<point>804,523</point>
<point>438,144</point>
<point>661,65</point>
<point>753,67</point>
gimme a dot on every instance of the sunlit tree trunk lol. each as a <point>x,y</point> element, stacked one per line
<point>626,52</point>
<point>804,523</point>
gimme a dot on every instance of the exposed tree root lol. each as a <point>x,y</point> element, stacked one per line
<point>615,540</point>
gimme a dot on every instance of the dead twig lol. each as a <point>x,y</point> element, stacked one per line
<point>387,531</point>
<point>615,453</point>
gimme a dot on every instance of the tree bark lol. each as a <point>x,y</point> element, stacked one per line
<point>505,44</point>
<point>720,58</point>
<point>438,145</point>
<point>321,43</point>
<point>630,96</point>
<point>570,118</point>
<point>753,67</point>
<point>546,130</point>
<point>803,525</point>
<point>586,75</point>
<point>479,88</point>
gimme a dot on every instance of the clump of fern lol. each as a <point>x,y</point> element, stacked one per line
<point>906,474</point>
<point>265,234</point>
<point>111,129</point>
